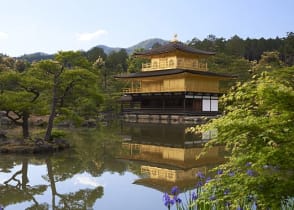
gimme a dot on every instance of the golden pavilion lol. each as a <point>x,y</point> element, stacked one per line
<point>174,85</point>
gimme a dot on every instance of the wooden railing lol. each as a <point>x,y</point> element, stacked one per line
<point>158,90</point>
<point>181,64</point>
<point>132,90</point>
<point>179,110</point>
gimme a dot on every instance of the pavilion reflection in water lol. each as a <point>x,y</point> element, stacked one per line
<point>168,156</point>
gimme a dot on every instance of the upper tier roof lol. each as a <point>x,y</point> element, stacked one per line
<point>171,47</point>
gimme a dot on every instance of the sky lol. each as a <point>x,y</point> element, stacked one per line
<point>48,26</point>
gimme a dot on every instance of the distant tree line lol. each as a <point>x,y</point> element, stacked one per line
<point>250,49</point>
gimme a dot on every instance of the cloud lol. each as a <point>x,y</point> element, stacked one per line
<point>3,35</point>
<point>91,36</point>
<point>85,180</point>
<point>2,181</point>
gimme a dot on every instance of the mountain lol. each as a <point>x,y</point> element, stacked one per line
<point>147,44</point>
<point>108,50</point>
<point>36,56</point>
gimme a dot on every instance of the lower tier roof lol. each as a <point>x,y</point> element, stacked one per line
<point>172,72</point>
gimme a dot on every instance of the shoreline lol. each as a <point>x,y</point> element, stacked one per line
<point>10,147</point>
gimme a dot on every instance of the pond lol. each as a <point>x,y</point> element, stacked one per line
<point>116,166</point>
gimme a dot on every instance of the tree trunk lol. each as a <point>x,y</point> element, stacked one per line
<point>24,170</point>
<point>25,125</point>
<point>52,181</point>
<point>105,84</point>
<point>53,110</point>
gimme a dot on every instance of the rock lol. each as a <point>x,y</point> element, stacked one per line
<point>91,123</point>
<point>40,122</point>
<point>65,124</point>
<point>3,136</point>
<point>2,113</point>
<point>39,141</point>
<point>5,121</point>
<point>61,143</point>
<point>43,148</point>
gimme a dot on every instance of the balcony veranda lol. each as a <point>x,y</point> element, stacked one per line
<point>176,63</point>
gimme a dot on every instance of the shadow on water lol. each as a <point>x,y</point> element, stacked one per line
<point>141,157</point>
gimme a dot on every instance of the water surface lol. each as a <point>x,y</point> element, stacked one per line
<point>116,166</point>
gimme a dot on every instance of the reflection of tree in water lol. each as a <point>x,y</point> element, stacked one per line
<point>6,163</point>
<point>96,151</point>
<point>16,189</point>
<point>83,199</point>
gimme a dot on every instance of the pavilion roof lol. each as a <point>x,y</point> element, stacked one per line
<point>171,72</point>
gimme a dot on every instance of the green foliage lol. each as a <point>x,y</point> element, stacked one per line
<point>71,59</point>
<point>116,62</point>
<point>21,96</point>
<point>257,129</point>
<point>226,64</point>
<point>57,134</point>
<point>269,61</point>
<point>135,63</point>
<point>70,87</point>
<point>6,63</point>
<point>235,46</point>
<point>94,53</point>
<point>35,57</point>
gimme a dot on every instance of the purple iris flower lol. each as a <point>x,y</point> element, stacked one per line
<point>175,190</point>
<point>199,184</point>
<point>167,200</point>
<point>177,199</point>
<point>219,171</point>
<point>200,175</point>
<point>194,196</point>
<point>249,172</point>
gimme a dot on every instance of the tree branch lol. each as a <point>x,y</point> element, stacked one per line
<point>69,87</point>
<point>13,178</point>
<point>31,90</point>
<point>15,120</point>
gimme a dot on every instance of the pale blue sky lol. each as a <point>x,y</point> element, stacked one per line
<point>29,26</point>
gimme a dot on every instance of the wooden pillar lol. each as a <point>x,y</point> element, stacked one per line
<point>184,104</point>
<point>132,86</point>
